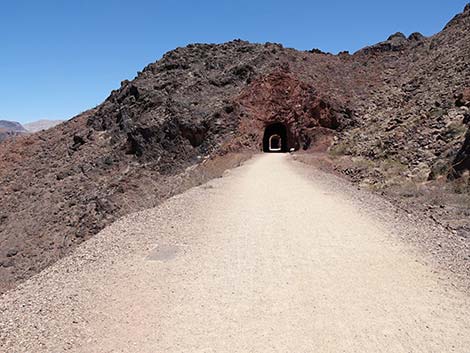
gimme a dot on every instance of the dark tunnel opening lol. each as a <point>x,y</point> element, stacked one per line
<point>275,138</point>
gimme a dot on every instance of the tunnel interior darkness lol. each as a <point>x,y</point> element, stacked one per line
<point>275,138</point>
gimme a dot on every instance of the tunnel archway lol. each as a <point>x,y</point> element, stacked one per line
<point>275,138</point>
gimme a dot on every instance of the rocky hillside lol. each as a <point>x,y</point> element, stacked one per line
<point>393,112</point>
<point>419,111</point>
<point>411,140</point>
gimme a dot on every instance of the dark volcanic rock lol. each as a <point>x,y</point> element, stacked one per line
<point>395,42</point>
<point>416,36</point>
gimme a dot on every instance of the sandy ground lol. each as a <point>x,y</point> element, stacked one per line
<point>262,260</point>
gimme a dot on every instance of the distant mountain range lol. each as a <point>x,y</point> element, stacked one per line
<point>12,128</point>
<point>39,125</point>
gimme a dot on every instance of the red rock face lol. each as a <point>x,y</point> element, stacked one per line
<point>280,97</point>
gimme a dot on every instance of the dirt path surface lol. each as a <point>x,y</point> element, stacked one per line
<point>262,260</point>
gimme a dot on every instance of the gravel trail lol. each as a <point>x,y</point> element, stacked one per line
<point>262,260</point>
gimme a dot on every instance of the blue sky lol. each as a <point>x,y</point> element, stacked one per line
<point>58,58</point>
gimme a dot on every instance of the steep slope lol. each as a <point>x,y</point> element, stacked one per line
<point>410,137</point>
<point>392,102</point>
<point>412,115</point>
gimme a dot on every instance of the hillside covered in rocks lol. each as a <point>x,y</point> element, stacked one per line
<point>393,114</point>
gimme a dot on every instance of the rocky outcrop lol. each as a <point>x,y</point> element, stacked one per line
<point>396,42</point>
<point>280,97</point>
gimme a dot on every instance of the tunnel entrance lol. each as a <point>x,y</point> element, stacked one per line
<point>275,138</point>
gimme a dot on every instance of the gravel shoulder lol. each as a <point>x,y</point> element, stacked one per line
<point>442,248</point>
<point>275,256</point>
